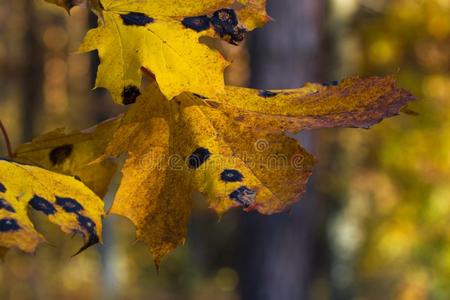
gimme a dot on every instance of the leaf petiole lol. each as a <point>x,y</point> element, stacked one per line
<point>6,139</point>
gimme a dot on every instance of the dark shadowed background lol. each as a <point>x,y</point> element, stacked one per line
<point>375,221</point>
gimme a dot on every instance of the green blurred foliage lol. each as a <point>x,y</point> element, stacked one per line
<point>398,173</point>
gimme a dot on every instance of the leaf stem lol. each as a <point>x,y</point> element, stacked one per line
<point>6,139</point>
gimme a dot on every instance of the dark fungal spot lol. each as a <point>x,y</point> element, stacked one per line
<point>136,19</point>
<point>198,158</point>
<point>130,94</point>
<point>226,25</point>
<point>6,206</point>
<point>59,154</point>
<point>224,21</point>
<point>87,225</point>
<point>267,94</point>
<point>2,188</point>
<point>231,176</point>
<point>244,196</point>
<point>198,24</point>
<point>238,36</point>
<point>331,83</point>
<point>69,205</point>
<point>88,229</point>
<point>8,224</point>
<point>42,205</point>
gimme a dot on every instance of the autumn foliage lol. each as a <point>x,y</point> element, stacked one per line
<point>184,129</point>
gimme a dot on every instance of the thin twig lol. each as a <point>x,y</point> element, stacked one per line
<point>7,141</point>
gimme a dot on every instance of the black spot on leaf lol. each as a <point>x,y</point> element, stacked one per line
<point>2,188</point>
<point>136,19</point>
<point>87,224</point>
<point>88,229</point>
<point>198,24</point>
<point>267,94</point>
<point>331,83</point>
<point>69,205</point>
<point>6,206</point>
<point>130,94</point>
<point>42,205</point>
<point>231,176</point>
<point>8,224</point>
<point>59,154</point>
<point>224,20</point>
<point>244,196</point>
<point>198,158</point>
<point>226,25</point>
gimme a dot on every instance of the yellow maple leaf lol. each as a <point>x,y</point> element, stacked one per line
<point>162,37</point>
<point>63,199</point>
<point>232,148</point>
<point>74,154</point>
<point>354,102</point>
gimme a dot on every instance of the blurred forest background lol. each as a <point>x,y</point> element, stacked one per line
<point>376,221</point>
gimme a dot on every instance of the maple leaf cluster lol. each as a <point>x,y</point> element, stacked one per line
<point>184,131</point>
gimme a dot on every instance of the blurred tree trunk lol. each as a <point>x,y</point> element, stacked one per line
<point>32,72</point>
<point>276,253</point>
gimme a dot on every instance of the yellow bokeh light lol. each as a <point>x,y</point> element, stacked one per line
<point>439,27</point>
<point>382,51</point>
